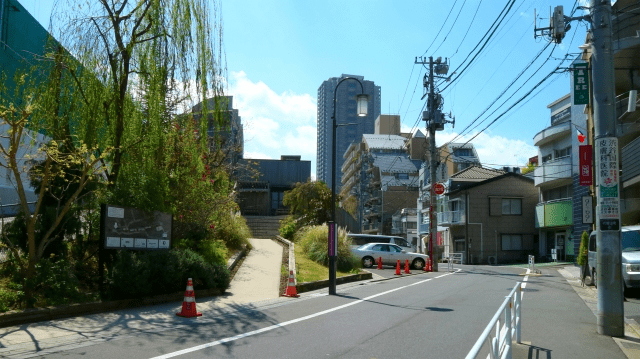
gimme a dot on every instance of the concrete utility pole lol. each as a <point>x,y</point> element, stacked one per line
<point>435,122</point>
<point>609,269</point>
<point>610,314</point>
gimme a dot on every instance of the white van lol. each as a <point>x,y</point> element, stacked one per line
<point>359,239</point>
<point>630,246</point>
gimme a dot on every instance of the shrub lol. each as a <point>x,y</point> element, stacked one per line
<point>160,272</point>
<point>313,240</point>
<point>213,251</point>
<point>288,227</point>
<point>583,252</point>
<point>55,282</point>
<point>8,299</point>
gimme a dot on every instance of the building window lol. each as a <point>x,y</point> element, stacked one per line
<point>462,152</point>
<point>511,242</point>
<point>547,158</point>
<point>512,206</point>
<point>565,152</point>
<point>402,176</point>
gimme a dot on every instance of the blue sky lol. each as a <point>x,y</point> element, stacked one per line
<point>279,52</point>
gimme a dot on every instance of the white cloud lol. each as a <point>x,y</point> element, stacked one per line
<point>274,124</point>
<point>494,151</point>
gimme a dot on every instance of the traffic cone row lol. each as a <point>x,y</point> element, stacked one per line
<point>291,287</point>
<point>379,263</point>
<point>189,303</point>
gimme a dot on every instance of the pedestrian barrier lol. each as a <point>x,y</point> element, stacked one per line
<point>455,257</point>
<point>189,303</point>
<point>532,265</point>
<point>505,329</point>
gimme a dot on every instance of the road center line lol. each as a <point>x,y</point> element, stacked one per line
<point>293,321</point>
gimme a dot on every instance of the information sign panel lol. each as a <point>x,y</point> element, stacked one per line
<point>131,228</point>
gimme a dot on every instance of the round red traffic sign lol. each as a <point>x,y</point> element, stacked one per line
<point>438,188</point>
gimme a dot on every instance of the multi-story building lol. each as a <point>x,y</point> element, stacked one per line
<point>345,114</point>
<point>379,178</point>
<point>557,179</point>
<point>225,132</point>
<point>405,224</point>
<point>262,183</point>
<point>22,42</point>
<point>454,157</point>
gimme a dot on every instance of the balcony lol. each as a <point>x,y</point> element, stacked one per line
<point>552,133</point>
<point>554,213</point>
<point>451,218</point>
<point>552,172</point>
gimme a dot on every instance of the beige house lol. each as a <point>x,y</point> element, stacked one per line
<point>489,221</point>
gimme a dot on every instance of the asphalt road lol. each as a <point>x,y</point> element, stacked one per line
<point>432,315</point>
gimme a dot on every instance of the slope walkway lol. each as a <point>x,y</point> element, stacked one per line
<point>255,284</point>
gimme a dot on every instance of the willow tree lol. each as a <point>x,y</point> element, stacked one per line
<point>142,63</point>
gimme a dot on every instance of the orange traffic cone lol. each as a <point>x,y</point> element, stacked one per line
<point>379,263</point>
<point>189,303</point>
<point>430,266</point>
<point>398,268</point>
<point>406,267</point>
<point>291,287</point>
<point>426,265</point>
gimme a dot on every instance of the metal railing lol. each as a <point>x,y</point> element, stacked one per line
<point>504,329</point>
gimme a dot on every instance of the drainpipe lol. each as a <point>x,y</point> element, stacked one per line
<point>481,232</point>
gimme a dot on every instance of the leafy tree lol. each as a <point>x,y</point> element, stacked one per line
<point>141,62</point>
<point>310,202</point>
<point>63,174</point>
<point>530,167</point>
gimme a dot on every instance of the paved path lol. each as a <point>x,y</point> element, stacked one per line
<point>259,276</point>
<point>255,284</point>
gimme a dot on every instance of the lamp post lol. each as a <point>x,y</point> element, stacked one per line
<point>362,110</point>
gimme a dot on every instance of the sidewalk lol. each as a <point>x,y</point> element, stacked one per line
<point>255,284</point>
<point>559,320</point>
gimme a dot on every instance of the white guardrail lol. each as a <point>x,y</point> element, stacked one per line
<point>505,324</point>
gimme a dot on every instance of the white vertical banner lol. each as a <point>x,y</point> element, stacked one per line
<point>608,186</point>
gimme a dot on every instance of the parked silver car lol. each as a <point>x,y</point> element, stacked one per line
<point>630,246</point>
<point>390,254</point>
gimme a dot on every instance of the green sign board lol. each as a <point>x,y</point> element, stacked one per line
<point>580,84</point>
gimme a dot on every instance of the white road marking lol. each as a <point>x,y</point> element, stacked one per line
<point>284,324</point>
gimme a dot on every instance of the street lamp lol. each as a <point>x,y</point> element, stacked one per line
<point>362,110</point>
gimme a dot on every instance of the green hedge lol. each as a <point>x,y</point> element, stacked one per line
<point>140,274</point>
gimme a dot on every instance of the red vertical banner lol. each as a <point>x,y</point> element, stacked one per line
<point>586,165</point>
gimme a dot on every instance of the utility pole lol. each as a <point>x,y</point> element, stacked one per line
<point>435,122</point>
<point>610,311</point>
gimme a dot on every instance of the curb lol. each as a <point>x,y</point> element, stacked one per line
<point>73,310</point>
<point>309,286</point>
<point>292,257</point>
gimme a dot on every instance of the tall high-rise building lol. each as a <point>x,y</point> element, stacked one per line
<point>345,113</point>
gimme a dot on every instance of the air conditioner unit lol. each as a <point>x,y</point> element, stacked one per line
<point>492,260</point>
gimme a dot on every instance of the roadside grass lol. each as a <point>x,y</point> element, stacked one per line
<point>310,271</point>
